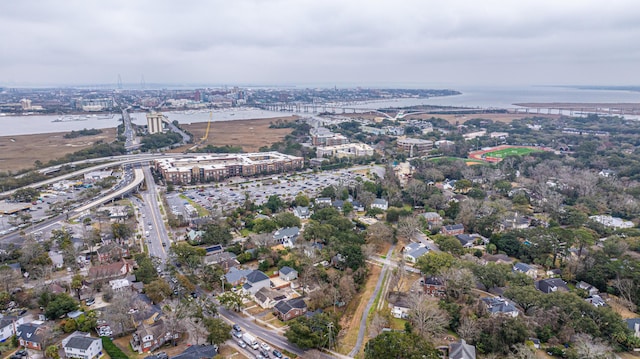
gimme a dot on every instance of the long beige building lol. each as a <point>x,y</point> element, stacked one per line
<point>207,168</point>
<point>346,150</point>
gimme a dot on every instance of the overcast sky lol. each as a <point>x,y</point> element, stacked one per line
<point>421,43</point>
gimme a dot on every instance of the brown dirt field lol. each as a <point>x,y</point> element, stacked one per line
<point>20,152</point>
<point>250,134</point>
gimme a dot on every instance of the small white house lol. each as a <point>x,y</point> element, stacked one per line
<point>380,203</point>
<point>119,284</point>
<point>288,274</point>
<point>8,326</point>
<point>82,346</point>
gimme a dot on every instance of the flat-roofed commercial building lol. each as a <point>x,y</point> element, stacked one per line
<point>208,168</point>
<point>346,150</point>
<point>414,144</point>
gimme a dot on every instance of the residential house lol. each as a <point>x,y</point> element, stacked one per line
<point>337,204</point>
<point>433,219</point>
<point>289,309</point>
<point>214,249</point>
<point>357,206</point>
<point>322,201</point>
<point>302,212</point>
<point>462,350</point>
<point>500,306</point>
<point>287,273</point>
<point>236,276</point>
<point>526,269</point>
<point>380,203</point>
<point>400,305</point>
<point>466,240</point>
<point>497,258</point>
<point>452,230</point>
<point>414,251</point>
<point>110,271</point>
<point>587,287</point>
<point>606,173</point>
<point>287,236</point>
<point>634,325</point>
<point>120,285</point>
<point>82,346</point>
<point>434,286</point>
<point>596,301</point>
<point>195,236</point>
<point>515,222</point>
<point>255,281</point>
<point>198,352</point>
<point>267,297</point>
<point>552,285</point>
<point>31,335</point>
<point>226,260</point>
<point>144,311</point>
<point>149,337</point>
<point>110,252</point>
<point>8,326</point>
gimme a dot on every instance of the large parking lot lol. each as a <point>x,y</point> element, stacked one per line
<point>228,195</point>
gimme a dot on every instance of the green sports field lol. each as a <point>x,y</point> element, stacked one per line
<point>520,151</point>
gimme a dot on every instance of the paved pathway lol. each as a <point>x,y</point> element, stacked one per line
<point>365,314</point>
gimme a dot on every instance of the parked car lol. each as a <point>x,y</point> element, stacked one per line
<point>90,301</point>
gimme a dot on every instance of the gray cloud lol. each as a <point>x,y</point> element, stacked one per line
<point>330,41</point>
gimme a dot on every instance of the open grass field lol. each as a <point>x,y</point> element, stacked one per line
<point>519,151</point>
<point>20,152</point>
<point>496,154</point>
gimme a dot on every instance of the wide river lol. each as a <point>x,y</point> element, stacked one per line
<point>481,97</point>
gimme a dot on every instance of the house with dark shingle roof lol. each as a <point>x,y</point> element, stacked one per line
<point>289,309</point>
<point>82,346</point>
<point>302,212</point>
<point>267,297</point>
<point>30,335</point>
<point>526,269</point>
<point>8,326</point>
<point>255,281</point>
<point>198,352</point>
<point>551,285</point>
<point>462,350</point>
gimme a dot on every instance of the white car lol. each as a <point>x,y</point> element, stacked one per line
<point>265,346</point>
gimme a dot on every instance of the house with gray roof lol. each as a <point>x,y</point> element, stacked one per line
<point>302,212</point>
<point>8,326</point>
<point>267,297</point>
<point>289,309</point>
<point>198,352</point>
<point>588,287</point>
<point>287,236</point>
<point>551,285</point>
<point>500,306</point>
<point>526,269</point>
<point>380,203</point>
<point>414,251</point>
<point>255,281</point>
<point>236,276</point>
<point>82,346</point>
<point>462,350</point>
<point>287,273</point>
<point>596,301</point>
<point>634,325</point>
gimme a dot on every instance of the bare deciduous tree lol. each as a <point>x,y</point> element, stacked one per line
<point>427,319</point>
<point>409,226</point>
<point>627,291</point>
<point>378,322</point>
<point>587,347</point>
<point>468,329</point>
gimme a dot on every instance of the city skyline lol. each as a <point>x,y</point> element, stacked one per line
<point>328,43</point>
